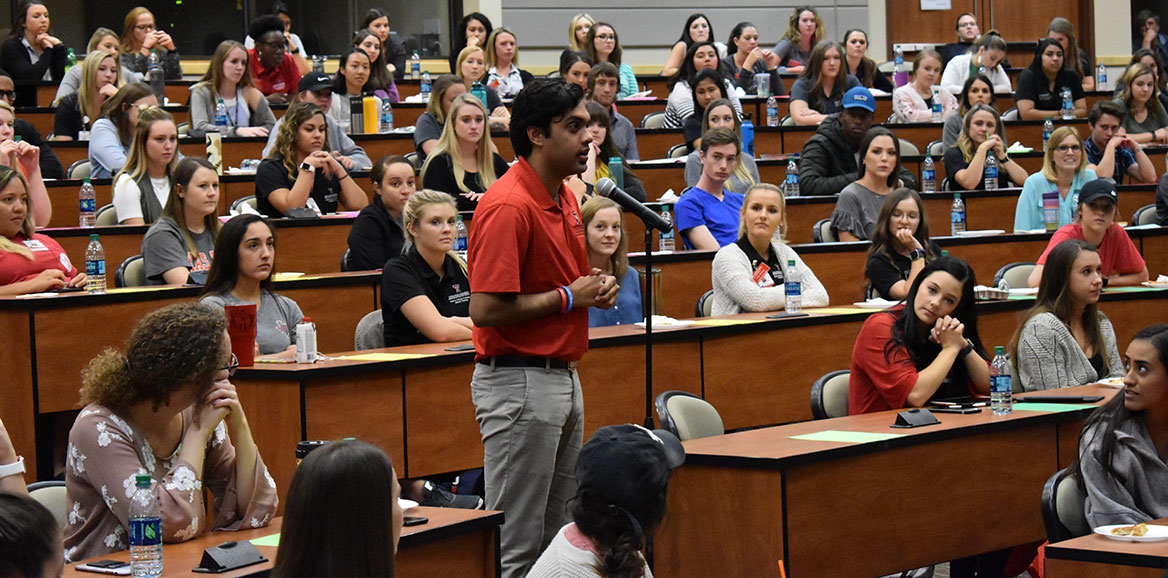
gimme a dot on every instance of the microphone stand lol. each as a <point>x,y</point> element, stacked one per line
<point>647,309</point>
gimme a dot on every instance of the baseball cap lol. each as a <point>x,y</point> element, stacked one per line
<point>1098,189</point>
<point>859,97</point>
<point>628,464</point>
<point>315,81</point>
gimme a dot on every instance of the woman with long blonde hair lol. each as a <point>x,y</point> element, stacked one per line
<point>76,112</point>
<point>142,188</point>
<point>1146,120</point>
<point>608,250</point>
<point>578,28</point>
<point>464,164</point>
<point>228,80</point>
<point>804,32</point>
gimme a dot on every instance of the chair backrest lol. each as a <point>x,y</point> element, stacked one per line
<point>1016,275</point>
<point>892,119</point>
<point>1145,215</point>
<point>79,169</point>
<point>1011,114</point>
<point>945,184</point>
<point>688,416</point>
<point>821,232</point>
<point>907,149</point>
<point>184,128</point>
<point>370,332</point>
<point>677,151</point>
<point>653,120</point>
<point>249,200</point>
<point>829,395</point>
<point>51,495</point>
<point>345,260</point>
<point>1063,505</point>
<point>787,121</point>
<point>107,216</point>
<point>131,273</point>
<point>705,304</point>
<point>413,158</point>
<point>936,148</point>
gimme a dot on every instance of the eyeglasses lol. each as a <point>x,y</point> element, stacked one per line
<point>231,367</point>
<point>1068,148</point>
<point>7,94</point>
<point>144,27</point>
<point>606,37</point>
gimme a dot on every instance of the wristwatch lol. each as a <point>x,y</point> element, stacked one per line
<point>966,350</point>
<point>307,167</point>
<point>1004,160</point>
<point>916,254</point>
<point>12,469</point>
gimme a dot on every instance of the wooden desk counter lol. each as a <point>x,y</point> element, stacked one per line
<point>453,543</point>
<point>939,493</point>
<point>1094,556</point>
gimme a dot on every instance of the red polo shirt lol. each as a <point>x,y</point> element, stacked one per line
<point>1117,252</point>
<point>523,242</point>
<point>284,78</point>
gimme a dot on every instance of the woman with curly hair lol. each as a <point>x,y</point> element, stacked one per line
<point>167,408</point>
<point>301,172</point>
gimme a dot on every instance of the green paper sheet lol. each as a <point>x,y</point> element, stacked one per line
<point>723,322</point>
<point>847,437</point>
<point>272,540</point>
<point>1050,407</point>
<point>384,356</point>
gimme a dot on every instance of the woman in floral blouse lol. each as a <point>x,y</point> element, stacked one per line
<point>165,408</point>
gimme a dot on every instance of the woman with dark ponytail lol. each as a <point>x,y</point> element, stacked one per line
<point>622,475</point>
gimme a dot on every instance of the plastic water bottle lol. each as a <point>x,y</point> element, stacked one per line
<point>793,288</point>
<point>616,171</point>
<point>88,204</point>
<point>936,104</point>
<point>415,66</point>
<point>1101,77</point>
<point>220,115</point>
<point>929,175</point>
<point>425,86</point>
<point>957,215</point>
<point>772,111</point>
<point>791,183</point>
<point>145,530</point>
<point>747,135</point>
<point>1068,110</point>
<point>318,63</point>
<point>306,341</point>
<point>461,240</point>
<point>1047,128</point>
<point>94,266</point>
<point>899,72</point>
<point>156,77</point>
<point>982,70</point>
<point>480,92</point>
<point>991,171</point>
<point>387,115</point>
<point>70,59</point>
<point>1001,391</point>
<point>665,240</point>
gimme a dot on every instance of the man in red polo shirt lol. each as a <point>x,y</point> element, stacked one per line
<point>273,70</point>
<point>531,288</point>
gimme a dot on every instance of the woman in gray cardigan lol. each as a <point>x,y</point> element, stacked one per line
<point>1120,461</point>
<point>228,79</point>
<point>1065,340</point>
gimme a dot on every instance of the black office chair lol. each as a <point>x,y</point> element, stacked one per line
<point>821,232</point>
<point>687,416</point>
<point>705,304</point>
<point>829,395</point>
<point>1063,505</point>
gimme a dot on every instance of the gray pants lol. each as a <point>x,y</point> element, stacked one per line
<point>532,423</point>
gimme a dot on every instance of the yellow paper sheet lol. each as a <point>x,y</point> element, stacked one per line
<point>384,356</point>
<point>724,322</point>
<point>833,311</point>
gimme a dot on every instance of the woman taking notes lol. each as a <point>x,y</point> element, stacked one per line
<point>77,111</point>
<point>749,275</point>
<point>927,348</point>
<point>143,186</point>
<point>463,164</point>
<point>608,250</point>
<point>177,248</point>
<point>228,80</point>
<point>245,261</point>
<point>1065,340</point>
<point>1121,460</point>
<point>425,294</point>
<point>854,216</point>
<point>166,408</point>
<point>377,234</point>
<point>914,101</point>
<point>982,135</point>
<point>301,172</point>
<point>1063,170</point>
<point>901,246</point>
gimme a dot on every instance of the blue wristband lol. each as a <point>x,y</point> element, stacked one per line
<point>567,292</point>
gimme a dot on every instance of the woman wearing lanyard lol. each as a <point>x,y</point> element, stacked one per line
<point>228,80</point>
<point>1063,171</point>
<point>77,111</point>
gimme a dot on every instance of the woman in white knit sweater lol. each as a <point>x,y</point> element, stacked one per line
<point>1065,340</point>
<point>748,275</point>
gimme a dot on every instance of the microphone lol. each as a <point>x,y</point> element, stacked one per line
<point>606,188</point>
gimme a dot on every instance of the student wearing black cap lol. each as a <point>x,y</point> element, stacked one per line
<point>317,88</point>
<point>622,476</point>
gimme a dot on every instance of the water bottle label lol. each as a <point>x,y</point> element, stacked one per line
<point>991,173</point>
<point>794,288</point>
<point>792,179</point>
<point>929,175</point>
<point>95,268</point>
<point>145,531</point>
<point>460,244</point>
<point>1000,384</point>
<point>88,205</point>
<point>957,217</point>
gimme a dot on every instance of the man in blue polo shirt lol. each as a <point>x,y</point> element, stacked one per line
<point>1110,152</point>
<point>707,215</point>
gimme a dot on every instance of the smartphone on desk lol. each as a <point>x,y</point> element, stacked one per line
<point>414,520</point>
<point>114,567</point>
<point>463,347</point>
<point>785,315</point>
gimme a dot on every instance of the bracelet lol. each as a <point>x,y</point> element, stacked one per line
<point>12,469</point>
<point>563,299</point>
<point>965,350</point>
<point>567,298</point>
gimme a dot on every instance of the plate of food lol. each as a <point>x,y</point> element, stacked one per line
<point>1116,382</point>
<point>1134,533</point>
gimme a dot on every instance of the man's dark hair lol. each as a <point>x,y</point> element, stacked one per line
<point>605,69</point>
<point>720,136</point>
<point>540,103</point>
<point>1105,107</point>
<point>263,25</point>
<point>1143,15</point>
